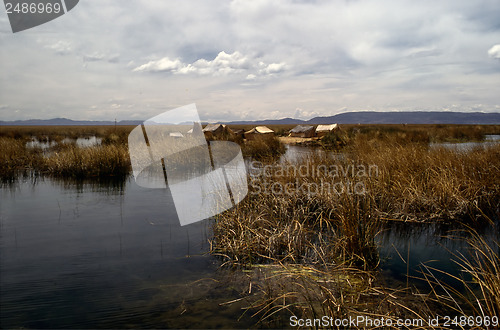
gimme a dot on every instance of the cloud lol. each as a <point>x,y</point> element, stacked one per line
<point>272,68</point>
<point>162,65</point>
<point>223,64</point>
<point>304,114</point>
<point>494,52</point>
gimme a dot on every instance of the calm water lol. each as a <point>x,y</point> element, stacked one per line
<point>465,146</point>
<point>105,256</point>
<point>436,245</point>
<point>80,142</point>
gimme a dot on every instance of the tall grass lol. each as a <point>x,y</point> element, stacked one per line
<point>421,183</point>
<point>263,147</point>
<point>63,159</point>
<point>58,133</point>
<point>15,158</point>
<point>290,218</point>
<point>97,161</point>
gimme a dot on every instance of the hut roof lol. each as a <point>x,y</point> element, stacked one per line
<point>326,128</point>
<point>261,130</point>
<point>302,129</point>
<point>214,127</point>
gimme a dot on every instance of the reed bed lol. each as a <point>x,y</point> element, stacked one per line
<point>97,161</point>
<point>63,160</point>
<point>15,158</point>
<point>58,133</point>
<point>335,297</point>
<point>421,133</point>
<point>263,148</point>
<point>419,183</point>
<point>291,216</point>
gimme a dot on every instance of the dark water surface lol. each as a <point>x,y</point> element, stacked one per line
<point>406,247</point>
<point>105,256</point>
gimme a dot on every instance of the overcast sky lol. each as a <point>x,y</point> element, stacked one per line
<point>252,59</point>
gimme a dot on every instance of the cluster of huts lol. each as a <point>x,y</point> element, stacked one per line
<point>213,131</point>
<point>220,130</point>
<point>309,131</point>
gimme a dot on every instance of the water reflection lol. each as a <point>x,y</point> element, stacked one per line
<point>35,143</point>
<point>297,153</point>
<point>489,140</point>
<point>90,255</point>
<point>81,142</point>
<point>436,244</point>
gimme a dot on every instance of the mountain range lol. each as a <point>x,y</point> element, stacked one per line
<point>359,117</point>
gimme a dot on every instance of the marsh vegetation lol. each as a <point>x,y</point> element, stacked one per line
<point>305,237</point>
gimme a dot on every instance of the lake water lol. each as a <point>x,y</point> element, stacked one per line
<point>466,146</point>
<point>111,255</point>
<point>80,142</point>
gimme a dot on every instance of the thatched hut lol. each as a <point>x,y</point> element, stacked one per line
<point>303,131</point>
<point>259,131</point>
<point>217,131</point>
<point>239,133</point>
<point>323,130</point>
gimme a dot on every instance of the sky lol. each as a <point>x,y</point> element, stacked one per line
<point>248,60</point>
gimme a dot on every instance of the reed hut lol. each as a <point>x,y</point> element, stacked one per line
<point>323,130</point>
<point>303,131</point>
<point>259,131</point>
<point>217,131</point>
<point>239,133</point>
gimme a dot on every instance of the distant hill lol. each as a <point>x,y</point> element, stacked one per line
<point>284,121</point>
<point>410,117</point>
<point>359,117</point>
<point>406,117</point>
<point>66,122</point>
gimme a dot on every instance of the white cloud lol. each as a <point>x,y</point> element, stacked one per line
<point>223,64</point>
<point>304,114</point>
<point>494,52</point>
<point>272,68</point>
<point>163,64</point>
